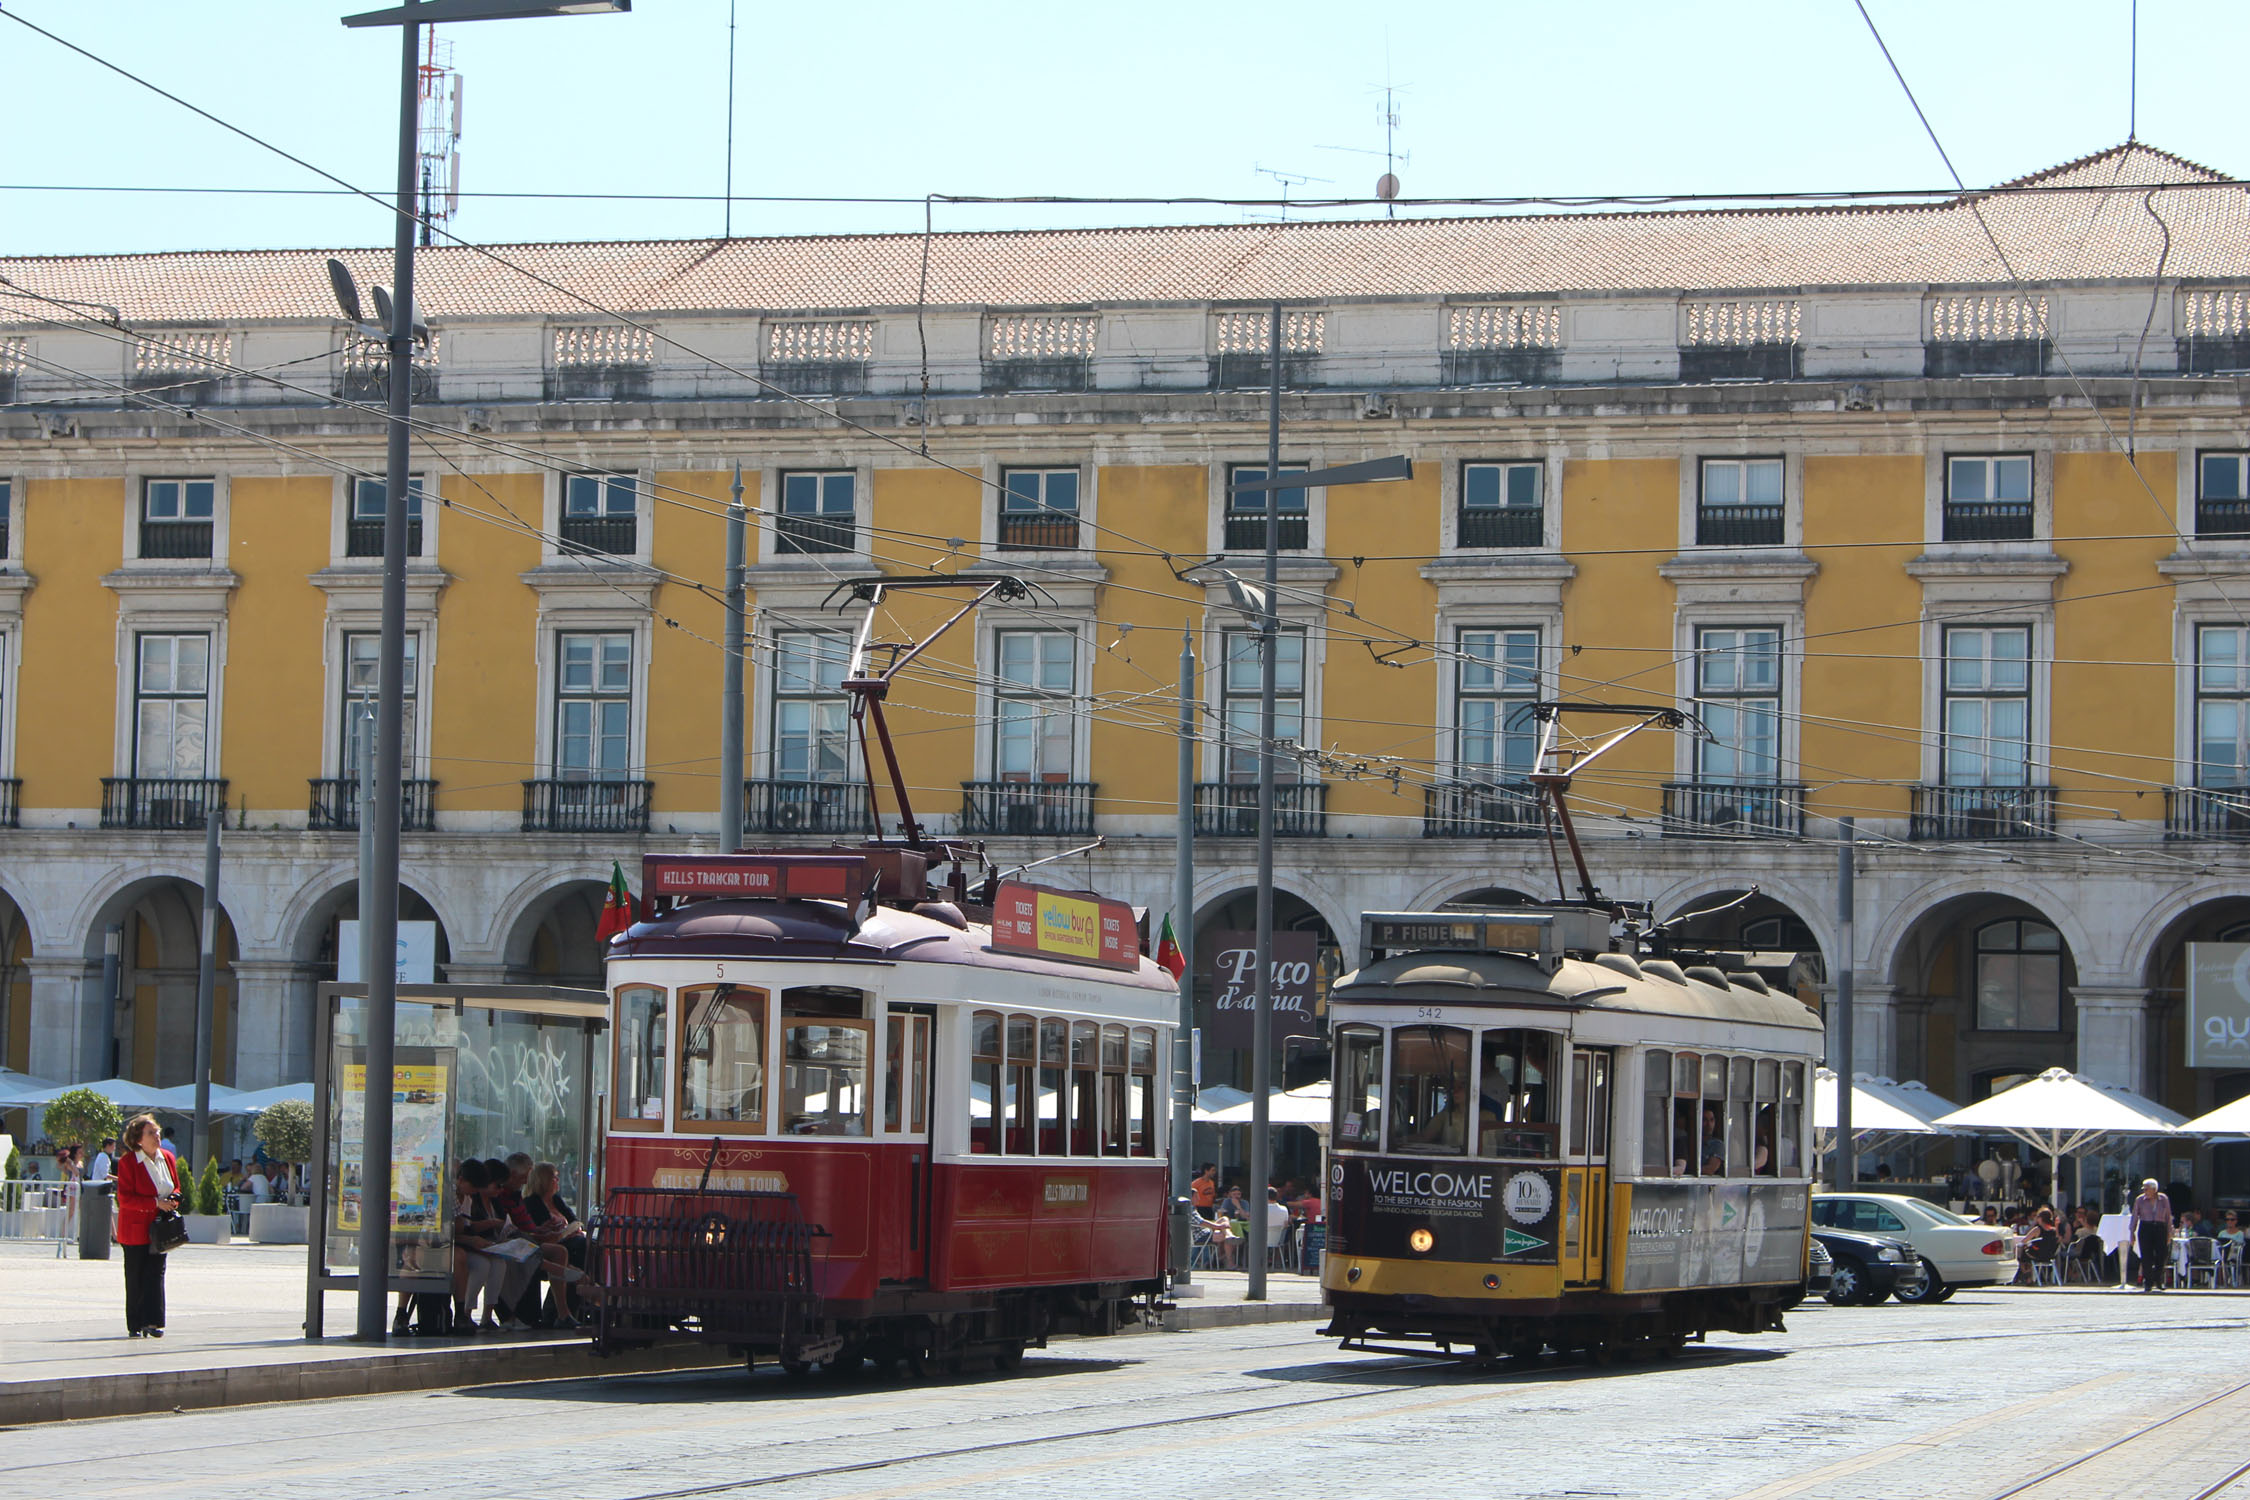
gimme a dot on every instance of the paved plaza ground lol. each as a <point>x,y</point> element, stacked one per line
<point>2085,1394</point>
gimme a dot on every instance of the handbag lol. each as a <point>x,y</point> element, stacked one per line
<point>167,1232</point>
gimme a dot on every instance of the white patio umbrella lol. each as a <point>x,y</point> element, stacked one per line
<point>1882,1110</point>
<point>252,1101</point>
<point>2061,1114</point>
<point>180,1099</point>
<point>1214,1099</point>
<point>20,1090</point>
<point>122,1092</point>
<point>1305,1106</point>
<point>2227,1119</point>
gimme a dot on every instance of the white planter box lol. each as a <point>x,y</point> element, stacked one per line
<point>278,1224</point>
<point>207,1229</point>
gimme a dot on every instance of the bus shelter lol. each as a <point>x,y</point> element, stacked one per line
<point>479,1070</point>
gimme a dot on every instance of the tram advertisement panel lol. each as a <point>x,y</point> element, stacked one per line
<point>1490,1212</point>
<point>1693,1235</point>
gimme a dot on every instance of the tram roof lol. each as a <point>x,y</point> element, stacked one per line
<point>752,929</point>
<point>1506,979</point>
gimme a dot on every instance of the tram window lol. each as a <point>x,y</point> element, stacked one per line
<point>1113,1091</point>
<point>906,1074</point>
<point>1140,1121</point>
<point>1598,1142</point>
<point>824,1002</point>
<point>1580,1094</point>
<point>723,1056</point>
<point>1054,1078</point>
<point>1738,1117</point>
<point>1429,1090</point>
<point>1085,1088</point>
<point>1790,1137</point>
<point>1021,1101</point>
<point>1359,1089</point>
<point>1656,1116</point>
<point>1516,1094</point>
<point>642,1029</point>
<point>1762,1155</point>
<point>824,1078</point>
<point>1687,1099</point>
<point>984,1083</point>
<point>1113,1048</point>
<point>1712,1154</point>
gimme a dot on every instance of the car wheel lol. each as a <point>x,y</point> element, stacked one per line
<point>1931,1289</point>
<point>1847,1283</point>
<point>1944,1292</point>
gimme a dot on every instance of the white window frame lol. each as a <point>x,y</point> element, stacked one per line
<point>13,508</point>
<point>2193,775</point>
<point>136,499</point>
<point>987,760</point>
<point>1224,623</point>
<point>211,724</point>
<point>2191,493</point>
<point>551,553</point>
<point>1316,507</point>
<point>159,612</point>
<point>1792,456</point>
<point>339,521</point>
<point>766,734</point>
<point>769,510</point>
<point>11,676</point>
<point>576,619</point>
<point>996,474</point>
<point>1936,468</point>
<point>1698,653</point>
<point>1778,607</point>
<point>1450,464</point>
<point>1450,696</point>
<point>334,740</point>
<point>2034,748</point>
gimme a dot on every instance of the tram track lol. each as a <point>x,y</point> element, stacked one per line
<point>2138,1434</point>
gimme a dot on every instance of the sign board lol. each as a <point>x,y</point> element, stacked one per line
<point>1486,1212</point>
<point>827,877</point>
<point>2218,1005</point>
<point>1735,1234</point>
<point>1073,926</point>
<point>421,1152</point>
<point>417,953</point>
<point>1233,974</point>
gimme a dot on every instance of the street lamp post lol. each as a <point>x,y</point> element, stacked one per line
<point>1267,615</point>
<point>378,875</point>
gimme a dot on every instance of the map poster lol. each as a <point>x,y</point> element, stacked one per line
<point>421,1149</point>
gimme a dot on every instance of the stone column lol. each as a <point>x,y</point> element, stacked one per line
<point>272,1030</point>
<point>70,1024</point>
<point>1874,1027</point>
<point>2113,1034</point>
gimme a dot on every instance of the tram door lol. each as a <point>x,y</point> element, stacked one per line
<point>906,1120</point>
<point>1585,1225</point>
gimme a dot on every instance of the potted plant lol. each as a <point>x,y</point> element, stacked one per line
<point>81,1118</point>
<point>207,1224</point>
<point>11,1194</point>
<point>285,1130</point>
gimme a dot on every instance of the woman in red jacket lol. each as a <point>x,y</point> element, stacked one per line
<point>148,1183</point>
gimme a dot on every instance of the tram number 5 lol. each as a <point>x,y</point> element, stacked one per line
<point>719,972</point>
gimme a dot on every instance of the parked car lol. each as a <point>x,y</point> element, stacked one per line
<point>1954,1252</point>
<point>1866,1268</point>
<point>1818,1264</point>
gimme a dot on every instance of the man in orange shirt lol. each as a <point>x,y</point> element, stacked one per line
<point>1205,1188</point>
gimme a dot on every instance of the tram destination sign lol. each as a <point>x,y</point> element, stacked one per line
<point>830,877</point>
<point>1076,927</point>
<point>1415,1208</point>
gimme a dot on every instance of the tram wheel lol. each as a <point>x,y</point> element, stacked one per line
<point>797,1368</point>
<point>844,1365</point>
<point>1008,1358</point>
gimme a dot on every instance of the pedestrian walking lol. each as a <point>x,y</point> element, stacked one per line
<point>2152,1234</point>
<point>148,1184</point>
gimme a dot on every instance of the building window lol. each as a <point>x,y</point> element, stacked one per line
<point>816,513</point>
<point>1496,682</point>
<point>1246,512</point>
<point>7,518</point>
<point>811,714</point>
<point>2019,976</point>
<point>1033,713</point>
<point>363,531</point>
<point>362,655</point>
<point>1738,697</point>
<point>1987,707</point>
<point>176,517</point>
<point>1739,503</point>
<point>1502,505</point>
<point>1038,510</point>
<point>1240,689</point>
<point>2222,494</point>
<point>2222,706</point>
<point>600,513</point>
<point>1988,499</point>
<point>171,706</point>
<point>593,706</point>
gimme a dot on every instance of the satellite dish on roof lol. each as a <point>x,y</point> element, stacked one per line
<point>1386,186</point>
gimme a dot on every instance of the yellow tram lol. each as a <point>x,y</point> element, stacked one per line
<point>1541,1142</point>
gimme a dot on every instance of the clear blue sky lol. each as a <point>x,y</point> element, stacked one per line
<point>1590,96</point>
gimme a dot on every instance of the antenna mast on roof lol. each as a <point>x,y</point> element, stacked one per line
<point>1287,180</point>
<point>439,144</point>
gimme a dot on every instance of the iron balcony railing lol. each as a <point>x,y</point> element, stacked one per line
<point>1722,807</point>
<point>813,533</point>
<point>1738,526</point>
<point>173,539</point>
<point>1983,812</point>
<point>365,538</point>
<point>1481,811</point>
<point>1247,533</point>
<point>11,801</point>
<point>561,806</point>
<point>1988,520</point>
<point>1055,809</point>
<point>1050,531</point>
<point>335,804</point>
<point>2198,812</point>
<point>2218,518</point>
<point>615,535</point>
<point>1506,526</point>
<point>164,804</point>
<point>830,807</point>
<point>1229,809</point>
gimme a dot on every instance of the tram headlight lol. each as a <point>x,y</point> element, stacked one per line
<point>1420,1241</point>
<point>1492,1281</point>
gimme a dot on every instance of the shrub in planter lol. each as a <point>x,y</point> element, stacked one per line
<point>81,1117</point>
<point>11,1196</point>
<point>209,1197</point>
<point>285,1130</point>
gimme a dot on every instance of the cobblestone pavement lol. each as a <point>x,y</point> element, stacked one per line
<point>1997,1393</point>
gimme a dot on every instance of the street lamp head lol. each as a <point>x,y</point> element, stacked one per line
<point>445,12</point>
<point>1247,598</point>
<point>347,290</point>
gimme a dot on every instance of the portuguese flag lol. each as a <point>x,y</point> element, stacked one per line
<point>617,906</point>
<point>1168,955</point>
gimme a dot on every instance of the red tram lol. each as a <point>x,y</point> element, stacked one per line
<point>851,1122</point>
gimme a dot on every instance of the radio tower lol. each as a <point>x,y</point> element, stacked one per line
<point>440,145</point>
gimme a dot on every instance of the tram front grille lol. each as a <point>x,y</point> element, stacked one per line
<point>721,1265</point>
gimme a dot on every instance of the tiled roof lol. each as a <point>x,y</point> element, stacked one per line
<point>2049,226</point>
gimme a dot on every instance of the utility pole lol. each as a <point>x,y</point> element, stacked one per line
<point>1183,904</point>
<point>730,674</point>
<point>1846,1170</point>
<point>364,768</point>
<point>207,984</point>
<point>1269,645</point>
